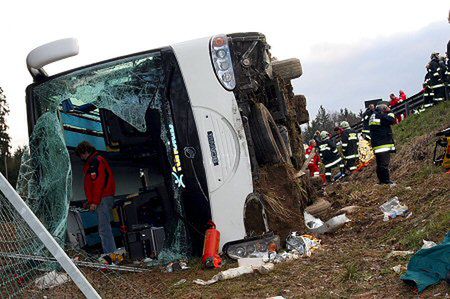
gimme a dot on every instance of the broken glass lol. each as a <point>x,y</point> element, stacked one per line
<point>127,87</point>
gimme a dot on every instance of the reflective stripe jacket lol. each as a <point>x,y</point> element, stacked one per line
<point>366,116</point>
<point>381,132</point>
<point>329,153</point>
<point>436,73</point>
<point>98,179</point>
<point>349,141</point>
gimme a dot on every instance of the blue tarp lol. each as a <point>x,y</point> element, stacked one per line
<point>429,266</point>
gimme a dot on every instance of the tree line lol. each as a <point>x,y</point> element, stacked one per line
<point>9,161</point>
<point>327,121</point>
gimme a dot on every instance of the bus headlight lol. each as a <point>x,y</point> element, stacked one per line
<point>221,60</point>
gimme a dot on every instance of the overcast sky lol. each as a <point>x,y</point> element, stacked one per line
<point>351,50</point>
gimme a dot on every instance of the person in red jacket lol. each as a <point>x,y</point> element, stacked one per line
<point>313,166</point>
<point>99,187</point>
<point>402,95</point>
<point>394,100</point>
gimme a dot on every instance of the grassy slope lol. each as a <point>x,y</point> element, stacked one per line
<point>353,261</point>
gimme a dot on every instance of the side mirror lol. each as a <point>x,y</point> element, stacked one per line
<point>51,52</point>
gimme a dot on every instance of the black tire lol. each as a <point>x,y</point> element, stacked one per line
<point>287,69</point>
<point>269,145</point>
<point>302,114</point>
<point>319,207</point>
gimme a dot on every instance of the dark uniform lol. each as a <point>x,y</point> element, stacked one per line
<point>349,141</point>
<point>436,80</point>
<point>382,142</point>
<point>428,92</point>
<point>329,156</point>
<point>366,130</point>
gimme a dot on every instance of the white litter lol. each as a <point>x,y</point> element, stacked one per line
<point>393,208</point>
<point>235,272</point>
<point>250,261</point>
<point>180,282</point>
<point>399,253</point>
<point>398,268</point>
<point>427,244</point>
<point>303,244</point>
<point>317,226</point>
<point>50,280</point>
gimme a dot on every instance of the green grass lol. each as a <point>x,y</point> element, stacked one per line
<point>429,121</point>
<point>351,272</point>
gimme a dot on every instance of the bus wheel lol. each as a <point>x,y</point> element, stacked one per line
<point>287,69</point>
<point>269,144</point>
<point>255,218</point>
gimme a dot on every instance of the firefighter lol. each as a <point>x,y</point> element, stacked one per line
<point>313,166</point>
<point>349,139</point>
<point>382,140</point>
<point>366,116</point>
<point>99,187</point>
<point>427,91</point>
<point>329,154</point>
<point>437,76</point>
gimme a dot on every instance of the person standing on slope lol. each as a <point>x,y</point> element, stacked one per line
<point>382,140</point>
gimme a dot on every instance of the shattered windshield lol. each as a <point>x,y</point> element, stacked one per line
<point>128,88</point>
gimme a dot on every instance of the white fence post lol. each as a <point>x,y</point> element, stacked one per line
<point>47,239</point>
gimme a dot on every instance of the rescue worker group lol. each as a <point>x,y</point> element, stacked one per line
<point>376,135</point>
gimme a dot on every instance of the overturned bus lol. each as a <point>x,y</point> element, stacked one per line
<point>183,127</point>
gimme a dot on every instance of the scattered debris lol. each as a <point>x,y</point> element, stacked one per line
<point>236,272</point>
<point>176,266</point>
<point>399,268</point>
<point>319,207</point>
<point>317,226</point>
<point>349,209</point>
<point>180,282</point>
<point>250,261</point>
<point>277,258</point>
<point>399,253</point>
<point>51,279</point>
<point>427,244</point>
<point>393,208</point>
<point>304,244</point>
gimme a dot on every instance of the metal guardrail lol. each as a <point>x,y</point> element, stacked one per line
<point>406,107</point>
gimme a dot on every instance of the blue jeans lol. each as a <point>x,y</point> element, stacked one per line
<point>104,224</point>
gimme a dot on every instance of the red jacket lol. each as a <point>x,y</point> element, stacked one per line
<point>98,179</point>
<point>395,101</point>
<point>402,95</point>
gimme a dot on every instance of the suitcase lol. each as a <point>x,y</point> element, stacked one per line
<point>75,229</point>
<point>144,241</point>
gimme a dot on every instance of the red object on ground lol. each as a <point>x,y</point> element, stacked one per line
<point>211,258</point>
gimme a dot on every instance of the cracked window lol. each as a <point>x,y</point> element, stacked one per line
<point>118,107</point>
